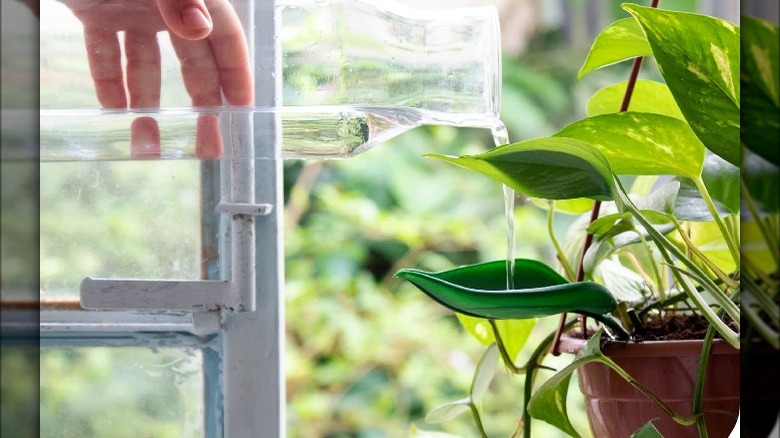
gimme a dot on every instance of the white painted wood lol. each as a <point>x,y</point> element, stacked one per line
<point>246,209</point>
<point>253,381</point>
<point>78,322</point>
<point>110,294</point>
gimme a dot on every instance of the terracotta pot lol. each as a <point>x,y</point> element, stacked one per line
<point>668,369</point>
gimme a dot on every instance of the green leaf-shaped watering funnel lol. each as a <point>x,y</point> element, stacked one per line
<point>480,290</point>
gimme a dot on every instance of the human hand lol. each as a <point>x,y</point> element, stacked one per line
<point>208,40</point>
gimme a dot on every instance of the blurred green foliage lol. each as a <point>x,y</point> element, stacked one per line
<point>128,392</point>
<point>18,383</point>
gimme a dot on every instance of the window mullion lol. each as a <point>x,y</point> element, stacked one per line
<point>253,382</point>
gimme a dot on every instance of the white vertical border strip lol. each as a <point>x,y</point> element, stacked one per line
<point>253,369</point>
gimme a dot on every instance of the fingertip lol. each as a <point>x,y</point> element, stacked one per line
<point>195,19</point>
<point>188,19</point>
<point>238,85</point>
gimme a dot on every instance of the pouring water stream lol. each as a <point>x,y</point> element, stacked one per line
<point>501,137</point>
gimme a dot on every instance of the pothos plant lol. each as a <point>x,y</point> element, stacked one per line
<point>667,244</point>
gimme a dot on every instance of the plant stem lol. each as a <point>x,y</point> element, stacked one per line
<point>665,245</point>
<point>732,310</point>
<point>532,366</point>
<point>769,237</point>
<point>508,361</point>
<point>763,299</point>
<point>698,394</point>
<point>732,223</point>
<point>763,329</point>
<point>726,303</point>
<point>477,419</point>
<point>594,214</point>
<point>728,281</point>
<point>701,374</point>
<point>561,256</point>
<point>730,242</point>
<point>682,296</point>
<point>752,295</point>
<point>729,335</point>
<point>652,285</point>
<point>661,290</point>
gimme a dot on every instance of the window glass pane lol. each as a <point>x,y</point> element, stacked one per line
<point>121,392</point>
<point>18,279</point>
<point>18,383</point>
<point>123,219</point>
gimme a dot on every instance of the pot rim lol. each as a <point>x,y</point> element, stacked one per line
<point>572,345</point>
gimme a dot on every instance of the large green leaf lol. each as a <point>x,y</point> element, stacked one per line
<point>483,375</point>
<point>623,283</point>
<point>568,206</point>
<point>552,168</point>
<point>691,206</point>
<point>760,76</point>
<point>514,332</point>
<point>549,402</point>
<point>621,40</point>
<point>611,225</point>
<point>641,143</point>
<point>647,97</point>
<point>699,58</point>
<point>480,290</point>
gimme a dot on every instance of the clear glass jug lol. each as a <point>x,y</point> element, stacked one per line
<point>355,73</point>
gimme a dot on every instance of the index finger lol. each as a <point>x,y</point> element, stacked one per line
<point>228,43</point>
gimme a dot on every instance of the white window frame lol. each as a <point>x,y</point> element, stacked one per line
<point>242,341</point>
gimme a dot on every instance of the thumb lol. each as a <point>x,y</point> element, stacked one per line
<point>188,19</point>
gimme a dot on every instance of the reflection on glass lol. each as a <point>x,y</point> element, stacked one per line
<point>121,392</point>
